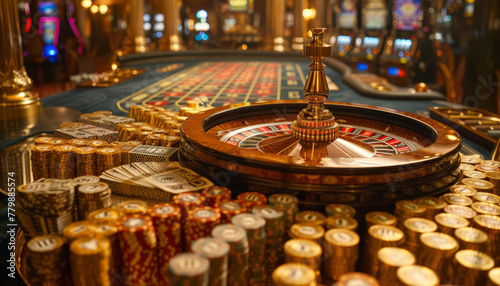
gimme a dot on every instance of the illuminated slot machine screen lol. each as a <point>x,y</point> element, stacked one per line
<point>375,15</point>
<point>407,14</point>
<point>49,22</point>
<point>347,14</point>
<point>402,47</point>
<point>370,43</point>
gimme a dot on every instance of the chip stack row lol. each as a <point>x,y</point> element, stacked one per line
<point>138,243</point>
<point>78,229</point>
<point>45,208</point>
<point>307,231</point>
<point>215,195</point>
<point>341,248</point>
<point>40,161</point>
<point>414,227</point>
<point>90,261</point>
<point>200,222</point>
<point>408,209</point>
<point>229,209</point>
<point>296,274</point>
<point>167,223</point>
<point>311,217</point>
<point>108,158</point>
<point>85,160</point>
<point>116,265</point>
<point>188,269</point>
<point>389,260</point>
<point>289,204</point>
<point>92,197</point>
<point>46,261</point>
<point>187,202</point>
<point>304,251</point>
<point>255,227</point>
<point>491,226</point>
<point>436,252</point>
<point>472,267</point>
<point>379,236</point>
<point>238,258</point>
<point>216,251</point>
<point>132,207</point>
<point>249,200</point>
<point>63,162</point>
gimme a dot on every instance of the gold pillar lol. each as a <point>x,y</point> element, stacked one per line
<point>275,22</point>
<point>298,25</point>
<point>171,41</point>
<point>135,38</point>
<point>16,100</point>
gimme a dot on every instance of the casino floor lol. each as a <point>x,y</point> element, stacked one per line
<point>284,142</point>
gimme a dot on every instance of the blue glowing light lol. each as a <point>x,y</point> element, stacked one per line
<point>50,51</point>
<point>393,71</point>
<point>362,67</point>
<point>201,14</point>
<point>197,37</point>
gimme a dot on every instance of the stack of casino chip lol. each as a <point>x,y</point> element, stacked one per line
<point>493,277</point>
<point>434,206</point>
<point>109,230</point>
<point>289,204</point>
<point>436,252</point>
<point>486,198</point>
<point>62,162</point>
<point>187,202</point>
<point>188,269</point>
<point>167,222</point>
<point>340,209</point>
<point>108,158</point>
<point>463,211</point>
<point>58,142</point>
<point>132,207</point>
<point>90,261</point>
<point>304,251</point>
<point>238,258</point>
<point>341,248</point>
<point>456,199</point>
<point>216,251</point>
<point>200,222</point>
<point>408,209</point>
<point>471,267</point>
<point>414,227</point>
<point>85,180</point>
<point>463,190</point>
<point>45,208</point>
<point>307,231</point>
<point>310,217</point>
<point>413,275</point>
<point>128,133</point>
<point>40,161</point>
<point>389,260</point>
<point>249,200</point>
<point>46,261</point>
<point>472,238</point>
<point>78,142</point>
<point>78,229</point>
<point>447,223</point>
<point>341,221</point>
<point>379,236</point>
<point>215,195</point>
<point>479,185</point>
<point>486,208</point>
<point>98,144</point>
<point>256,233</point>
<point>138,243</point>
<point>491,226</point>
<point>377,217</point>
<point>494,179</point>
<point>156,140</point>
<point>294,274</point>
<point>108,215</point>
<point>229,209</point>
<point>92,197</point>
<point>357,278</point>
<point>85,161</point>
<point>44,140</point>
<point>275,232</point>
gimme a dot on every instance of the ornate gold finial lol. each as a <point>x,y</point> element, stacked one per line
<point>315,125</point>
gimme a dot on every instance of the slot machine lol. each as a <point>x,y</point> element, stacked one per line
<point>48,28</point>
<point>346,22</point>
<point>401,48</point>
<point>369,41</point>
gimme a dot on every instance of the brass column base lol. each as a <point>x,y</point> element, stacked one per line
<point>297,44</point>
<point>171,43</point>
<point>135,46</point>
<point>17,110</point>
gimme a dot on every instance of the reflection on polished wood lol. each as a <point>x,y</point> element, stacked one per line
<point>16,100</point>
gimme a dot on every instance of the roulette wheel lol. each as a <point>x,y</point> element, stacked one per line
<point>322,152</point>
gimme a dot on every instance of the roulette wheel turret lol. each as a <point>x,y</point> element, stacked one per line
<point>323,152</point>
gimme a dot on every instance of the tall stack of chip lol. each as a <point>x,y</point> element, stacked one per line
<point>384,218</point>
<point>486,198</point>
<point>304,251</point>
<point>108,158</point>
<point>188,269</point>
<point>414,227</point>
<point>229,209</point>
<point>45,208</point>
<point>93,197</point>
<point>200,222</point>
<point>138,244</point>
<point>379,236</point>
<point>167,222</point>
<point>110,231</point>
<point>46,261</point>
<point>98,143</point>
<point>494,178</point>
<point>85,158</point>
<point>408,209</point>
<point>187,202</point>
<point>434,206</point>
<point>249,200</point>
<point>90,260</point>
<point>389,260</point>
<point>40,161</point>
<point>307,231</point>
<point>437,252</point>
<point>472,238</point>
<point>216,195</point>
<point>341,221</point>
<point>274,235</point>
<point>310,217</point>
<point>456,199</point>
<point>486,208</point>
<point>463,190</point>
<point>341,252</point>
<point>256,233</point>
<point>216,251</point>
<point>491,226</point>
<point>132,207</point>
<point>447,223</point>
<point>471,267</point>
<point>494,277</point>
<point>463,211</point>
<point>238,259</point>
<point>62,162</point>
<point>296,274</point>
<point>107,215</point>
<point>415,275</point>
<point>44,140</point>
<point>357,278</point>
<point>340,209</point>
<point>289,204</point>
<point>78,229</point>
